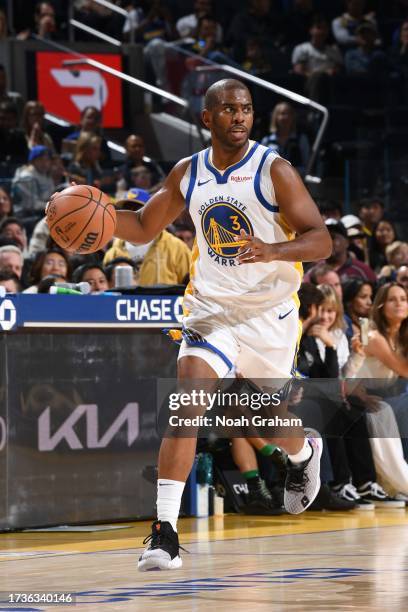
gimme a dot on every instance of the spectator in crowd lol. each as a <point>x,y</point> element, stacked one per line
<point>358,245</point>
<point>345,26</point>
<point>58,173</point>
<point>366,59</point>
<point>11,259</point>
<point>386,359</point>
<point>13,145</point>
<point>330,209</point>
<point>256,60</point>
<point>85,168</point>
<point>319,405</point>
<point>141,178</point>
<point>325,352</point>
<point>45,22</point>
<point>384,234</point>
<point>154,30</point>
<point>262,20</point>
<point>396,255</point>
<point>187,25</point>
<point>33,125</point>
<point>52,261</point>
<point>285,139</point>
<point>135,157</point>
<point>317,60</point>
<point>259,500</point>
<point>94,274</point>
<point>6,206</point>
<point>32,183</point>
<point>91,122</point>
<point>165,260</point>
<point>185,233</point>
<point>10,281</point>
<point>3,26</point>
<point>344,264</point>
<point>116,263</point>
<point>402,276</point>
<point>205,42</point>
<point>5,94</point>
<point>14,230</point>
<point>324,274</point>
<point>357,300</point>
<point>371,211</point>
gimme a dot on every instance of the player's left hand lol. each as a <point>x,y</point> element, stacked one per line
<point>254,249</point>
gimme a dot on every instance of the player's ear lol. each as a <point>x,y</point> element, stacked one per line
<point>206,118</point>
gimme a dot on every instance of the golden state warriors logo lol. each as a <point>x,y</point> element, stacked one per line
<point>221,223</point>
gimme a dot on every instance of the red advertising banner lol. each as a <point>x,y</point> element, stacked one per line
<point>66,90</point>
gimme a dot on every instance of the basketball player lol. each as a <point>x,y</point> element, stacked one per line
<point>254,221</point>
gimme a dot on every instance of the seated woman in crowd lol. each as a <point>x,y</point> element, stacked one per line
<point>386,358</point>
<point>285,139</point>
<point>357,300</point>
<point>33,124</point>
<point>324,353</point>
<point>85,169</point>
<point>53,261</point>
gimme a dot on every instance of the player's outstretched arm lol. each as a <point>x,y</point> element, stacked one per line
<point>312,240</point>
<point>162,208</point>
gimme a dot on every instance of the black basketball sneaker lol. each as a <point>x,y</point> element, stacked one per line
<point>162,552</point>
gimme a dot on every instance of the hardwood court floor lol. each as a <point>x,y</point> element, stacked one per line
<point>316,561</point>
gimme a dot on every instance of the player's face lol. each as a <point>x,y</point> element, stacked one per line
<point>230,121</point>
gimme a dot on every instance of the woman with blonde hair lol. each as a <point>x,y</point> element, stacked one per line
<point>33,125</point>
<point>85,169</point>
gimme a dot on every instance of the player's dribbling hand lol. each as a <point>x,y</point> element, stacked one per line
<point>254,250</point>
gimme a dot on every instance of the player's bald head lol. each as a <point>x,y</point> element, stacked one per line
<point>215,92</point>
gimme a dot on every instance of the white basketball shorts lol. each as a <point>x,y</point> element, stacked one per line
<point>254,342</point>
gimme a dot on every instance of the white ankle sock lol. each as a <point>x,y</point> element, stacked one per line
<point>169,494</point>
<point>303,455</point>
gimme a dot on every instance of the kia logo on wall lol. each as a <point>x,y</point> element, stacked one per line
<point>66,91</point>
<point>49,437</point>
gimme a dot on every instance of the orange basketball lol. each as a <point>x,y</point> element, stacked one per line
<point>81,219</point>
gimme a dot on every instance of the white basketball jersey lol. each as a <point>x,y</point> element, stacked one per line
<point>223,203</point>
